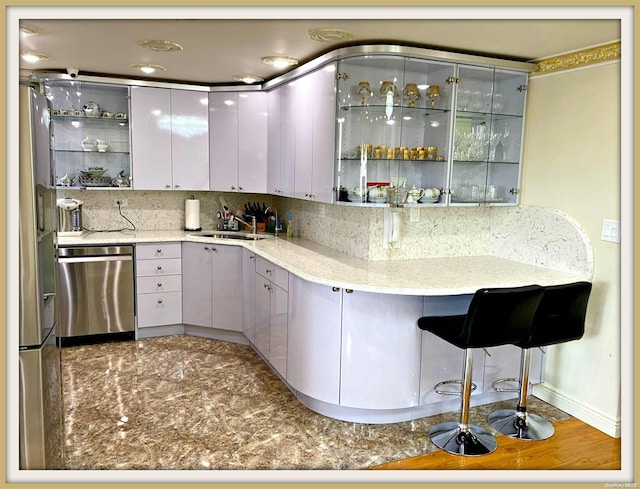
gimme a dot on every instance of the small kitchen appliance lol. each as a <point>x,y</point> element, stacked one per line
<point>69,217</point>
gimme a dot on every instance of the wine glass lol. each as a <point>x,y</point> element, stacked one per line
<point>411,93</point>
<point>433,94</point>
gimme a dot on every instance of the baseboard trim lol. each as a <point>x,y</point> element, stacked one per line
<point>606,424</point>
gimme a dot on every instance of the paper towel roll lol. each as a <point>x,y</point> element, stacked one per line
<point>192,214</point>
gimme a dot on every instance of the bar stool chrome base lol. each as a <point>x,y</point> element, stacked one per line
<point>457,439</point>
<point>524,426</point>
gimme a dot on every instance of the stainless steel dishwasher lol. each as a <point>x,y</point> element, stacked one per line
<point>96,294</point>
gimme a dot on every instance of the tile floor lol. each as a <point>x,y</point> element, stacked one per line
<point>182,402</point>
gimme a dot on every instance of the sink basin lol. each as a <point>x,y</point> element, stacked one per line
<point>228,235</point>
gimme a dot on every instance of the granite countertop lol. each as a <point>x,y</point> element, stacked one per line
<point>323,265</point>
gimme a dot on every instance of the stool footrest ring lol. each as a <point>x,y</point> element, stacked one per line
<point>437,389</point>
<point>506,389</point>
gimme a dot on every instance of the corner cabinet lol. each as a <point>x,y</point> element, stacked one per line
<point>169,139</point>
<point>412,131</point>
<point>83,115</point>
<point>238,141</point>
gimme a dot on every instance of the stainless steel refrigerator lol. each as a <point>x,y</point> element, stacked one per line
<point>41,408</point>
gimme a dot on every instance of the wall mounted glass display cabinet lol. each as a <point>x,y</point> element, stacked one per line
<point>487,136</point>
<point>90,140</point>
<point>423,132</point>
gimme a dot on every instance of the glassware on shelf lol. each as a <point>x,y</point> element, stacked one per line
<point>389,91</point>
<point>364,91</point>
<point>433,94</point>
<point>411,93</point>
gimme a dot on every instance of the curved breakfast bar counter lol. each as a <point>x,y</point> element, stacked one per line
<point>354,351</point>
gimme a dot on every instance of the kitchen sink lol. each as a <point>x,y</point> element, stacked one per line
<point>228,235</point>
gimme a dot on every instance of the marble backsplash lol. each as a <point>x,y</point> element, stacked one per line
<point>533,235</point>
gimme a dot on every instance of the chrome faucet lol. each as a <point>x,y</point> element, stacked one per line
<point>277,228</point>
<point>253,222</point>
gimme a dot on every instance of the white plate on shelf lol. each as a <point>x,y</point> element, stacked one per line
<point>379,200</point>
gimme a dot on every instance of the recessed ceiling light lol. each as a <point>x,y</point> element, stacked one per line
<point>248,78</point>
<point>148,68</point>
<point>32,56</point>
<point>29,30</point>
<point>329,35</point>
<point>160,46</point>
<point>280,61</point>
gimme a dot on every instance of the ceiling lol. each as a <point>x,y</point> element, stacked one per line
<point>215,50</point>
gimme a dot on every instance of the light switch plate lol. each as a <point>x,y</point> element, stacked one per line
<point>610,231</point>
<point>414,214</point>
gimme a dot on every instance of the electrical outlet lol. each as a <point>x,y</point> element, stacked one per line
<point>120,202</point>
<point>414,214</point>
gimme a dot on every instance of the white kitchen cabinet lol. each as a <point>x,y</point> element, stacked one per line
<point>158,284</point>
<point>281,140</point>
<point>238,141</point>
<point>273,142</point>
<point>271,291</point>
<point>315,128</point>
<point>314,336</point>
<point>380,356</point>
<point>169,139</point>
<point>212,286</point>
<point>249,294</point>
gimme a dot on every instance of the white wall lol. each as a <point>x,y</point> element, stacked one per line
<point>571,162</point>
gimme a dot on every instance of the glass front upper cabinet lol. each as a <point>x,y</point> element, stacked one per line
<point>393,130</point>
<point>487,138</point>
<point>91,144</point>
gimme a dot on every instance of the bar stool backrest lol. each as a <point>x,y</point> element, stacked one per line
<point>560,316</point>
<point>500,316</point>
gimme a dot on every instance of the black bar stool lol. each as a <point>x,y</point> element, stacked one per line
<point>560,318</point>
<point>497,316</point>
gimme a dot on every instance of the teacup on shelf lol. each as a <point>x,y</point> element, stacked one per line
<point>88,144</point>
<point>102,145</point>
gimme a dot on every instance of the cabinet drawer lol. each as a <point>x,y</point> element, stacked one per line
<point>158,250</point>
<point>274,273</point>
<point>150,285</point>
<point>159,309</point>
<point>153,268</point>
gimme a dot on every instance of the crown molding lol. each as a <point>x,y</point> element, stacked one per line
<point>578,59</point>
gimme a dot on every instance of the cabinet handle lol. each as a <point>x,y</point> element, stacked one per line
<point>213,248</point>
<point>206,248</point>
<point>159,250</point>
<point>239,187</point>
<point>252,257</point>
<point>267,271</point>
<point>335,289</point>
<point>349,291</point>
<point>232,187</point>
<point>177,186</point>
<point>159,284</point>
<point>167,186</point>
<point>453,79</point>
<point>159,267</point>
<point>514,191</point>
<point>159,301</point>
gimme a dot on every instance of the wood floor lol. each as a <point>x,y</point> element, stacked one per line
<point>574,446</point>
